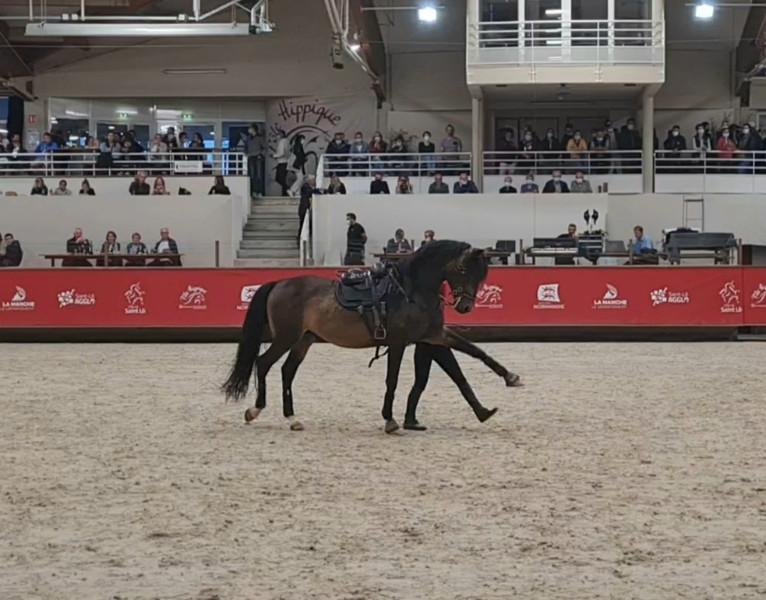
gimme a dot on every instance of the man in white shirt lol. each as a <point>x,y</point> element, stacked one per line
<point>282,156</point>
<point>166,245</point>
<point>62,189</point>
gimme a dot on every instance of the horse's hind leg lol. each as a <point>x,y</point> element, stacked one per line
<point>289,368</point>
<point>262,366</point>
<point>395,354</point>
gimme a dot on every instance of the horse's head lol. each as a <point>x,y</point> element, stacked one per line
<point>465,276</point>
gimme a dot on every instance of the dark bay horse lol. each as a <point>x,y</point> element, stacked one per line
<point>295,313</point>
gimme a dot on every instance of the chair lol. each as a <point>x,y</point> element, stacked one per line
<point>508,246</point>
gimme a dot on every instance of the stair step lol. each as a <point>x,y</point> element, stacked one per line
<point>254,263</point>
<point>281,226</point>
<point>270,235</point>
<point>269,244</point>
<point>275,201</point>
<point>269,253</point>
<point>271,218</point>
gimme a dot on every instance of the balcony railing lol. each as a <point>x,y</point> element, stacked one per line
<point>409,164</point>
<point>187,162</point>
<point>566,42</point>
<point>591,162</point>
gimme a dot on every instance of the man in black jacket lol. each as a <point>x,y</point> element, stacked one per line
<point>139,187</point>
<point>630,139</point>
<point>166,245</point>
<point>438,186</point>
<point>356,238</point>
<point>555,185</point>
<point>379,185</point>
<point>338,146</point>
<point>308,189</point>
<point>13,252</point>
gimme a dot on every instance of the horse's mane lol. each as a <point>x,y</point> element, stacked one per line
<point>433,253</point>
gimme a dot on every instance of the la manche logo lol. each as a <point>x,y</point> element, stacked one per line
<point>19,301</point>
<point>134,296</point>
<point>663,296</point>
<point>194,298</point>
<point>548,297</point>
<point>73,298</point>
<point>246,295</point>
<point>610,299</point>
<point>489,296</point>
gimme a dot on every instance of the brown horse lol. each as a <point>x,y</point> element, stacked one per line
<point>295,313</point>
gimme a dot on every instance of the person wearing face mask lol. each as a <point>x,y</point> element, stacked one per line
<point>726,149</point>
<point>379,185</point>
<point>550,145</point>
<point>507,149</point>
<point>529,186</point>
<point>674,146</point>
<point>527,150</point>
<point>577,148</point>
<point>611,136</point>
<point>358,148</point>
<point>507,188</point>
<point>396,157</point>
<point>630,142</point>
<point>426,147</point>
<point>339,149</point>
<point>464,185</point>
<point>748,143</point>
<point>580,185</point>
<point>600,152</point>
<point>377,147</point>
<point>356,238</point>
<point>568,135</point>
<point>450,144</point>
<point>701,144</point>
<point>555,185</point>
<point>438,186</point>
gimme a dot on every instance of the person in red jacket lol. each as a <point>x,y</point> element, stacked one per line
<point>726,149</point>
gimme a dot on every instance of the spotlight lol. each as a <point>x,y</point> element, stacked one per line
<point>427,14</point>
<point>355,47</point>
<point>704,9</point>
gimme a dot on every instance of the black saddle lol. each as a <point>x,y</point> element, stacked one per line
<point>366,292</point>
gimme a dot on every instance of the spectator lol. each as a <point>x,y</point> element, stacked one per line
<point>136,246</point>
<point>748,143</point>
<point>85,189</point>
<point>550,144</point>
<point>674,144</point>
<point>529,186</point>
<point>139,187</point>
<point>166,245</point>
<point>554,185</point>
<point>11,254</point>
<point>308,189</point>
<point>78,243</point>
<point>219,187</point>
<point>642,248</point>
<point>630,141</point>
<point>571,232</point>
<point>159,188</point>
<point>451,143</point>
<point>359,149</point>
<point>282,156</point>
<point>580,185</point>
<point>403,185</point>
<point>398,244</point>
<point>438,186</point>
<point>254,149</point>
<point>577,148</point>
<point>396,153</point>
<point>506,152</point>
<point>47,145</point>
<point>299,154</point>
<point>39,188</point>
<point>62,189</point>
<point>183,142</point>
<point>464,185</point>
<point>110,245</point>
<point>356,238</point>
<point>527,150</point>
<point>15,148</point>
<point>197,143</point>
<point>338,150</point>
<point>377,146</point>
<point>701,142</point>
<point>726,148</point>
<point>507,143</point>
<point>158,149</point>
<point>600,152</point>
<point>379,185</point>
<point>170,139</point>
<point>568,135</point>
<point>336,185</point>
<point>507,188</point>
<point>109,151</point>
<point>428,236</point>
<point>426,147</point>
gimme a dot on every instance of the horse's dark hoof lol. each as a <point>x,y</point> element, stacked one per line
<point>391,426</point>
<point>414,426</point>
<point>485,415</point>
<point>512,380</point>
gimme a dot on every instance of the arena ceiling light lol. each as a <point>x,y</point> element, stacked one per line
<point>427,14</point>
<point>704,9</point>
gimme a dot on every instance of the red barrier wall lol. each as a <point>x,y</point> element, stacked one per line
<point>512,296</point>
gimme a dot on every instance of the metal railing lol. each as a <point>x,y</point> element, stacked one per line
<point>712,162</point>
<point>186,162</point>
<point>624,41</point>
<point>408,164</point>
<point>591,162</point>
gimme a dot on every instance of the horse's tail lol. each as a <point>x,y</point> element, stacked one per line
<point>249,345</point>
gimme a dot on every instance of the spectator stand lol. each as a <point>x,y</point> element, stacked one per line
<point>690,171</point>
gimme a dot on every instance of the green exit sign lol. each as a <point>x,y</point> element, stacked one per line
<point>186,116</point>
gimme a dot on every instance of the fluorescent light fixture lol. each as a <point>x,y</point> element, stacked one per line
<point>195,71</point>
<point>553,42</point>
<point>704,9</point>
<point>427,14</point>
<point>552,12</point>
<point>355,47</point>
<point>136,29</point>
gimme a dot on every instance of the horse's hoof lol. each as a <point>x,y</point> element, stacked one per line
<point>486,414</point>
<point>512,380</point>
<point>251,414</point>
<point>296,426</point>
<point>391,426</point>
<point>414,426</point>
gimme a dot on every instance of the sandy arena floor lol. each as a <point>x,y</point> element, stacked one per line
<point>619,471</point>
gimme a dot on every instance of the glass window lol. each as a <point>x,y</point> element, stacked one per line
<point>499,10</point>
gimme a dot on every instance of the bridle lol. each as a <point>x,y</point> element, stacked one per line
<point>459,294</point>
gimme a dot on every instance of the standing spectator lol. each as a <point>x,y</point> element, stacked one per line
<point>464,185</point>
<point>748,143</point>
<point>568,135</point>
<point>555,185</point>
<point>600,152</point>
<point>139,187</point>
<point>428,237</point>
<point>552,149</point>
<point>12,253</point>
<point>507,188</point>
<point>674,146</point>
<point>282,156</point>
<point>219,187</point>
<point>197,143</point>
<point>403,185</point>
<point>438,186</point>
<point>159,188</point>
<point>726,148</point>
<point>577,148</point>
<point>396,153</point>
<point>379,185</point>
<point>338,150</point>
<point>378,148</point>
<point>629,140</point>
<point>254,149</point>
<point>580,185</point>
<point>529,186</point>
<point>165,245</point>
<point>398,244</point>
<point>299,154</point>
<point>109,151</point>
<point>426,147</point>
<point>170,139</point>
<point>506,152</point>
<point>527,151</point>
<point>450,143</point>
<point>336,185</point>
<point>39,188</point>
<point>611,136</point>
<point>183,142</point>
<point>85,189</point>
<point>508,142</point>
<point>308,189</point>
<point>47,146</point>
<point>356,238</point>
<point>62,189</point>
<point>702,144</point>
<point>16,148</point>
<point>158,149</point>
<point>359,149</point>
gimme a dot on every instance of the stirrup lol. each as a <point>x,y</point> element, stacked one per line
<point>380,333</point>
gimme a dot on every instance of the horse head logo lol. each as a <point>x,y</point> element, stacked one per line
<point>194,296</point>
<point>489,295</point>
<point>729,294</point>
<point>759,295</point>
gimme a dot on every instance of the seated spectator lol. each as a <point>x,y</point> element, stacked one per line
<point>580,185</point>
<point>379,185</point>
<point>110,246</point>
<point>77,244</point>
<point>529,186</point>
<point>166,245</point>
<point>159,188</point>
<point>438,186</point>
<point>62,189</point>
<point>47,146</point>
<point>554,185</point>
<point>572,234</point>
<point>85,189</point>
<point>643,249</point>
<point>398,244</point>
<point>427,148</point>
<point>336,185</point>
<point>378,145</point>
<point>10,251</point>
<point>219,187</point>
<point>507,188</point>
<point>396,152</point>
<point>428,236</point>
<point>136,246</point>
<point>358,149</point>
<point>464,185</point>
<point>138,186</point>
<point>403,185</point>
<point>39,188</point>
<point>577,148</point>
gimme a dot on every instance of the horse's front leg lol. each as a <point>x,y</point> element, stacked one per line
<point>395,354</point>
<point>452,340</point>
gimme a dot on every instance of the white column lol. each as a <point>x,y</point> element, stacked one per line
<point>647,135</point>
<point>477,141</point>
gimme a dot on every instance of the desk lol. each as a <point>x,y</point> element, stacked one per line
<point>136,260</point>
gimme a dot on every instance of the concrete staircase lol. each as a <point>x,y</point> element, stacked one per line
<point>270,237</point>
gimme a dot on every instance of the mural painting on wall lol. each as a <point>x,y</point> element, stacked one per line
<point>310,124</point>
